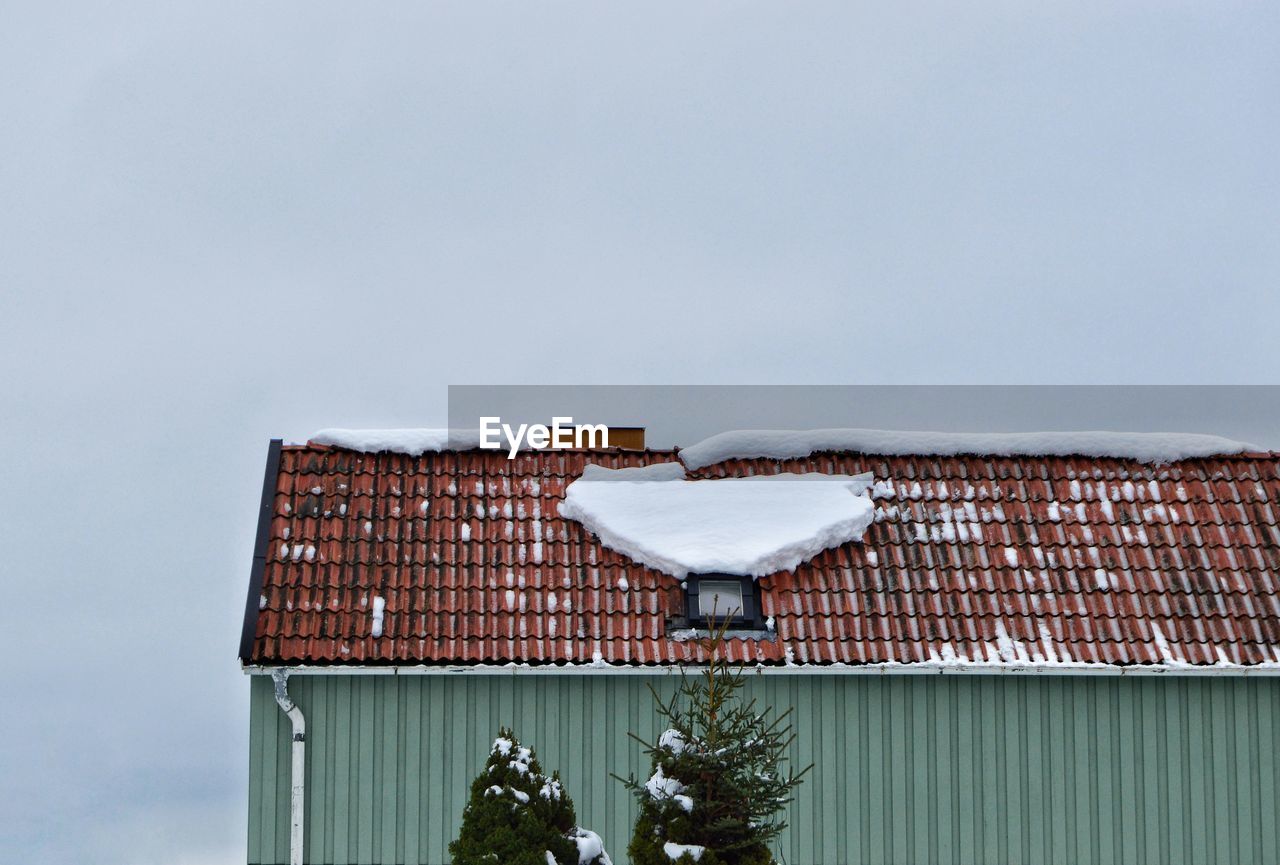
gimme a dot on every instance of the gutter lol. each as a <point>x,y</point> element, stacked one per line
<point>1266,670</point>
<point>298,772</point>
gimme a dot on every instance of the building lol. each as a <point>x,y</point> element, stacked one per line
<point>1025,659</point>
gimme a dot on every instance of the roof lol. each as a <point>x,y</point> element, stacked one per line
<point>999,561</point>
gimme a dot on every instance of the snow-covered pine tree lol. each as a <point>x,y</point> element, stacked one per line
<point>718,787</point>
<point>519,816</point>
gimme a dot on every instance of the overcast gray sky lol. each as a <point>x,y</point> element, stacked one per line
<point>223,222</point>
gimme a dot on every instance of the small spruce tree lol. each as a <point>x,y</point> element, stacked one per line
<point>717,789</point>
<point>518,816</point>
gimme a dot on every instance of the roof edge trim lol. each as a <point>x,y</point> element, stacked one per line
<point>270,478</point>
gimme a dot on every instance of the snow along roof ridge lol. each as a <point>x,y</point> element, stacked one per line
<point>409,440</point>
<point>416,441</point>
<point>791,444</point>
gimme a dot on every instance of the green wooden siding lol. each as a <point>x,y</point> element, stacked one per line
<point>908,769</point>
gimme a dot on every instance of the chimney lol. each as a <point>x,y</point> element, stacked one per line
<point>629,438</point>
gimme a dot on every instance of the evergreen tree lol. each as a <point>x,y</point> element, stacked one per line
<point>718,789</point>
<point>519,816</point>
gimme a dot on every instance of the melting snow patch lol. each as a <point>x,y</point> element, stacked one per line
<point>413,442</point>
<point>1046,642</point>
<point>661,787</point>
<point>787,444</point>
<point>589,846</point>
<point>379,611</point>
<point>746,526</point>
<point>672,741</point>
<point>883,490</point>
<point>1008,648</point>
<point>521,762</point>
<point>674,851</point>
<point>1162,646</point>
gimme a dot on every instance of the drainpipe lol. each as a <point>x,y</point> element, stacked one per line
<point>298,787</point>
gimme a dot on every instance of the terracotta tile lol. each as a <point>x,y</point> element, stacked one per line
<point>1193,547</point>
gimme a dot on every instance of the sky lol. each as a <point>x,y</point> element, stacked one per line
<point>227,222</point>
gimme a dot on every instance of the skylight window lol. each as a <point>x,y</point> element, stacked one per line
<point>720,598</point>
<point>717,598</point>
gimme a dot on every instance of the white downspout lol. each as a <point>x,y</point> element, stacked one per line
<point>298,789</point>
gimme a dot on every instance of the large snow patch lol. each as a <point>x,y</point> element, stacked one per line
<point>746,526</point>
<point>786,444</point>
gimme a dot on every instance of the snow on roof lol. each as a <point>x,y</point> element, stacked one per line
<point>788,444</point>
<point>672,471</point>
<point>413,442</point>
<point>751,526</point>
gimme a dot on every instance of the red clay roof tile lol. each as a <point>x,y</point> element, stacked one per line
<point>1093,560</point>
